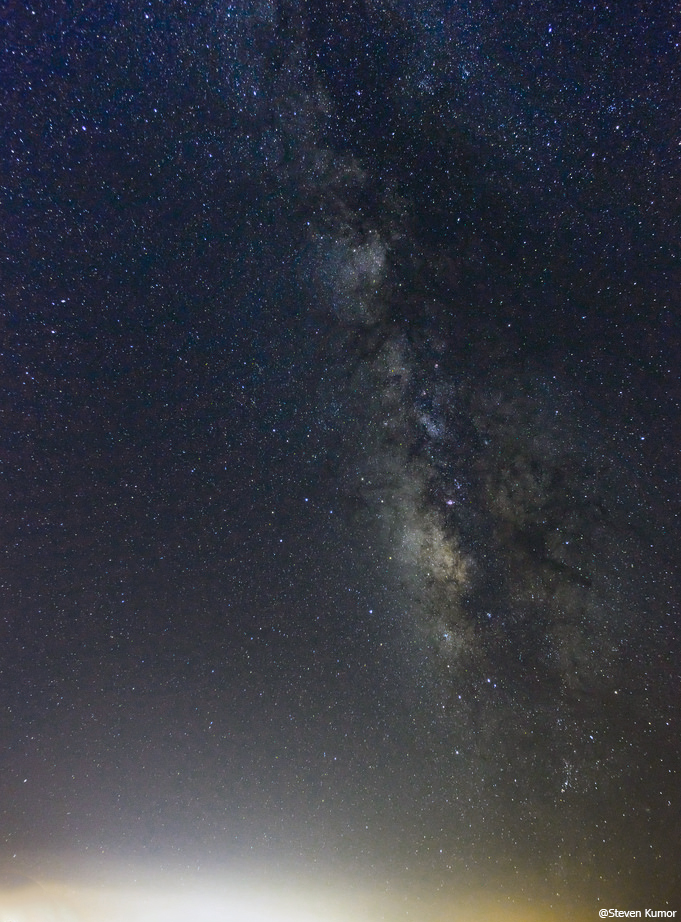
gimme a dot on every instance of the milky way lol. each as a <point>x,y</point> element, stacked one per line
<point>507,504</point>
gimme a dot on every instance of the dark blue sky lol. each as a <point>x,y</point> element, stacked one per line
<point>339,436</point>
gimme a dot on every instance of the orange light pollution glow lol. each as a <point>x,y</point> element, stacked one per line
<point>140,893</point>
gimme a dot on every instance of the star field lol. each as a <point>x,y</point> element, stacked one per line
<point>339,442</point>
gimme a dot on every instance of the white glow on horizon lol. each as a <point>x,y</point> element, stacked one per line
<point>137,894</point>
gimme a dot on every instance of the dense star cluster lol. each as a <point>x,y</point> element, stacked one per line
<point>340,443</point>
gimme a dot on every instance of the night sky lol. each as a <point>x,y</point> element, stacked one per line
<point>339,442</point>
